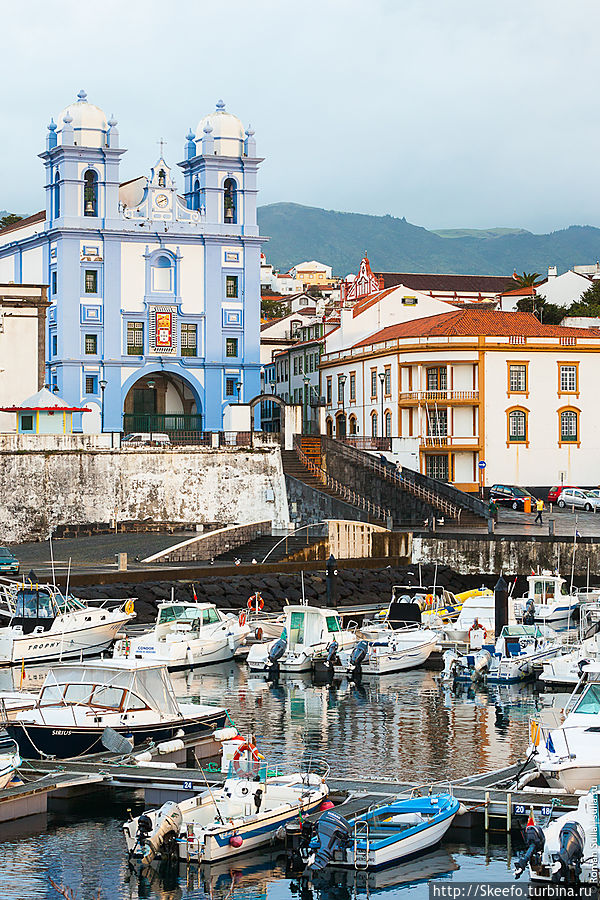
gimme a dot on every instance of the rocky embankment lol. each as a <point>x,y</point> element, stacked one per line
<point>353,586</point>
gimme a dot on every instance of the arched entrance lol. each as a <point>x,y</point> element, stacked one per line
<point>340,425</point>
<point>272,414</point>
<point>161,401</point>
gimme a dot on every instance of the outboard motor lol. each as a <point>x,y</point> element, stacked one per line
<point>534,838</point>
<point>168,824</point>
<point>357,657</point>
<point>570,854</point>
<point>275,654</point>
<point>482,664</point>
<point>450,665</point>
<point>332,655</point>
<point>333,833</point>
<point>529,614</point>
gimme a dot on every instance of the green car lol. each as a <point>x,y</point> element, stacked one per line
<point>9,564</point>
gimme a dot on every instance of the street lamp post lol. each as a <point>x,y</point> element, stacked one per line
<point>238,387</point>
<point>306,381</point>
<point>382,382</point>
<point>103,384</point>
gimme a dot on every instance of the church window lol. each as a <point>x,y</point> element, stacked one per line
<point>91,281</point>
<point>189,340</point>
<point>54,281</point>
<point>231,286</point>
<point>91,344</point>
<point>230,387</point>
<point>162,274</point>
<point>196,197</point>
<point>231,347</point>
<point>90,193</point>
<point>230,202</point>
<point>135,338</point>
<point>91,384</point>
<point>56,195</point>
<point>162,178</point>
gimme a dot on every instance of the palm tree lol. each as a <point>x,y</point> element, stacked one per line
<point>527,279</point>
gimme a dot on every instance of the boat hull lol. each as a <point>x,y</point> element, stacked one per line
<point>190,657</point>
<point>35,740</point>
<point>51,646</point>
<point>404,847</point>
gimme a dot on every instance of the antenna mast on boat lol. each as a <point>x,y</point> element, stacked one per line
<point>303,595</point>
<point>52,558</point>
<point>68,577</point>
<point>573,560</point>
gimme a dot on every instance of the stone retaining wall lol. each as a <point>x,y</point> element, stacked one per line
<point>207,546</point>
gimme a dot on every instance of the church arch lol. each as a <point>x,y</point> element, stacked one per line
<point>230,201</point>
<point>57,195</point>
<point>90,193</point>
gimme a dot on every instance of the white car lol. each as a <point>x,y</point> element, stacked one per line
<point>578,498</point>
<point>138,438</point>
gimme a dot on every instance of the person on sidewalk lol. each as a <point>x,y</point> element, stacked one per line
<point>539,505</point>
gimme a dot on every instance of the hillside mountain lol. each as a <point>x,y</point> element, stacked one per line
<point>298,233</point>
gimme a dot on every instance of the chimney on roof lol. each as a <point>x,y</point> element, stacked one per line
<point>552,272</point>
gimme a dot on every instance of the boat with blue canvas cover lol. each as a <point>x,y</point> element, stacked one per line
<point>385,835</point>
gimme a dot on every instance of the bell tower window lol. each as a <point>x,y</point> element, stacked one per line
<point>162,178</point>
<point>230,202</point>
<point>196,197</point>
<point>90,193</point>
<point>56,195</point>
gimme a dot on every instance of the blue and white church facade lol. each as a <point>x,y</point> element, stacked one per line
<point>154,323</point>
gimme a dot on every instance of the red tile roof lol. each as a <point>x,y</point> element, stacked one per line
<point>521,291</point>
<point>475,322</point>
<point>473,284</point>
<point>23,223</point>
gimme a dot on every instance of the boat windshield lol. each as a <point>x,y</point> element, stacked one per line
<point>181,613</point>
<point>590,702</point>
<point>333,624</point>
<point>34,604</point>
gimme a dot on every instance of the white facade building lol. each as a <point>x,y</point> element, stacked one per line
<point>450,391</point>
<point>22,345</point>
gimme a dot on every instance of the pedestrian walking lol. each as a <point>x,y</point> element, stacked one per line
<point>539,505</point>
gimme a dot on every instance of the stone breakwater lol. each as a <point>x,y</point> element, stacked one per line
<point>353,586</point>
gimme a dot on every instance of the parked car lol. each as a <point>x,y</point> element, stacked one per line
<point>578,498</point>
<point>9,564</point>
<point>141,438</point>
<point>510,495</point>
<point>554,492</point>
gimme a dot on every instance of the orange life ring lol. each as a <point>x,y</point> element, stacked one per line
<point>255,601</point>
<point>258,634</point>
<point>242,618</point>
<point>253,755</point>
<point>429,599</point>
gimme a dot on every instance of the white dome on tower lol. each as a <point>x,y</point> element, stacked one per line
<point>88,122</point>
<point>226,130</point>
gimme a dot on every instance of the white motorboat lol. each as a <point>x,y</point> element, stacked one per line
<point>547,600</point>
<point>568,754</point>
<point>45,625</point>
<point>384,835</point>
<point>187,635</point>
<point>517,650</point>
<point>565,851</point>
<point>477,614</point>
<point>10,760</point>
<point>567,669</point>
<point>79,700</point>
<point>245,813</point>
<point>310,634</point>
<point>395,651</point>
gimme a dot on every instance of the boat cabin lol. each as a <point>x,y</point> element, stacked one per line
<point>110,688</point>
<point>515,640</point>
<point>306,626</point>
<point>183,618</point>
<point>33,608</point>
<point>546,588</point>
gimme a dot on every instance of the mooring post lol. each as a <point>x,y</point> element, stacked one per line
<point>501,605</point>
<point>508,812</point>
<point>330,580</point>
<point>487,811</point>
<point>551,524</point>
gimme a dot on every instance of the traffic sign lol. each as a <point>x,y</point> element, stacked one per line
<point>482,464</point>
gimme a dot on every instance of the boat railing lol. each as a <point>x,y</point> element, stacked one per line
<point>541,734</point>
<point>427,789</point>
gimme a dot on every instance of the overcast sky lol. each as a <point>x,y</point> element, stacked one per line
<point>452,113</point>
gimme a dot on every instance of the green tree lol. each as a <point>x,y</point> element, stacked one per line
<point>548,313</point>
<point>271,308</point>
<point>528,279</point>
<point>589,304</point>
<point>9,219</point>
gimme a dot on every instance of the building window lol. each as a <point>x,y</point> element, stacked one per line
<point>91,281</point>
<point>388,382</point>
<point>300,365</point>
<point>26,423</point>
<point>54,281</point>
<point>437,378</point>
<point>517,426</point>
<point>91,384</point>
<point>340,388</point>
<point>90,193</point>
<point>230,202</point>
<point>189,340</point>
<point>196,197</point>
<point>329,392</point>
<point>569,426</point>
<point>162,178</point>
<point>517,379</point>
<point>374,425</point>
<point>91,344</point>
<point>436,466</point>
<point>54,343</point>
<point>352,425</point>
<point>231,347</point>
<point>135,338</point>
<point>437,423</point>
<point>56,195</point>
<point>230,387</point>
<point>353,385</point>
<point>295,365</point>
<point>162,274</point>
<point>231,286</point>
<point>374,384</point>
<point>568,379</point>
<point>388,424</point>
<point>311,362</point>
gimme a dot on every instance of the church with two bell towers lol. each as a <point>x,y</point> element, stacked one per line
<point>154,322</point>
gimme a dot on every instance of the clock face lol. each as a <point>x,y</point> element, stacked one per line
<point>162,200</point>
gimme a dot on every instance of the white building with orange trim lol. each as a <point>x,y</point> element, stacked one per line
<point>454,389</point>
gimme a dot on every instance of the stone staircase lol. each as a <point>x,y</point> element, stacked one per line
<point>275,546</point>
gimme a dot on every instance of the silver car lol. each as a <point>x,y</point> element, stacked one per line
<point>579,499</point>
